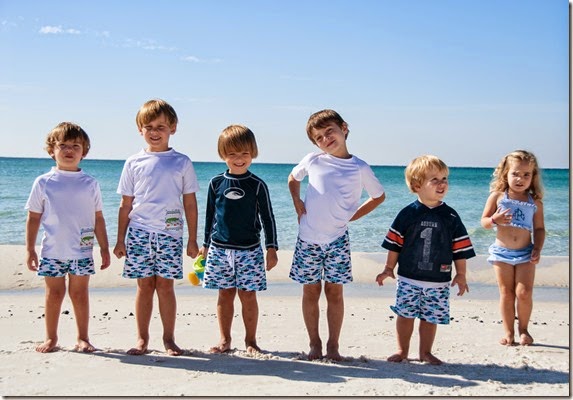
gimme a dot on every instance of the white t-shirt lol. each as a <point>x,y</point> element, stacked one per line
<point>333,194</point>
<point>68,202</point>
<point>157,181</point>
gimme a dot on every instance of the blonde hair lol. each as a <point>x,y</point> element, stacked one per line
<point>153,109</point>
<point>499,181</point>
<point>67,131</point>
<point>320,119</point>
<point>236,138</point>
<point>418,168</point>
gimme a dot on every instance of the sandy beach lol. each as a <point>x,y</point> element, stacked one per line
<point>475,364</point>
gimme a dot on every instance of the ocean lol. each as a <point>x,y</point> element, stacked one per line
<point>469,189</point>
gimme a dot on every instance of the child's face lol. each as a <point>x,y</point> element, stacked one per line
<point>519,176</point>
<point>332,139</point>
<point>68,155</point>
<point>238,161</point>
<point>156,134</point>
<point>434,188</point>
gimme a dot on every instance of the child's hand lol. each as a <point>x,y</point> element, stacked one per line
<point>272,258</point>
<point>119,250</point>
<point>32,260</point>
<point>501,217</point>
<point>388,272</point>
<point>202,252</point>
<point>192,248</point>
<point>105,258</point>
<point>460,280</point>
<point>299,208</point>
<point>535,256</point>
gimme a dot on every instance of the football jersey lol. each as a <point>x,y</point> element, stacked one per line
<point>428,240</point>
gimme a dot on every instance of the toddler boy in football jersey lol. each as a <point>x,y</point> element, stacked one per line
<point>424,239</point>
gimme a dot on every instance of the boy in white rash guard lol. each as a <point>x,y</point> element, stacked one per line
<point>158,188</point>
<point>335,183</point>
<point>67,204</point>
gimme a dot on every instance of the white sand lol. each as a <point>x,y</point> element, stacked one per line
<point>475,364</point>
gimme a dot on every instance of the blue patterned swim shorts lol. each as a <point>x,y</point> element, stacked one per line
<point>331,262</point>
<point>429,304</point>
<point>150,254</point>
<point>241,269</point>
<point>55,268</point>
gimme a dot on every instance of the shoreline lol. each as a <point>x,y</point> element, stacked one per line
<point>552,271</point>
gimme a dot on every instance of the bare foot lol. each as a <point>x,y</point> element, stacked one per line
<point>222,347</point>
<point>525,339</point>
<point>84,346</point>
<point>139,349</point>
<point>332,353</point>
<point>171,348</point>
<point>506,341</point>
<point>430,359</point>
<point>48,346</point>
<point>315,352</point>
<point>398,357</point>
<point>252,348</point>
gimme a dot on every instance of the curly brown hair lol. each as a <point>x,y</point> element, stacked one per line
<point>499,181</point>
<point>67,131</point>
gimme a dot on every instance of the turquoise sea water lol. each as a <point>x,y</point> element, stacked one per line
<point>467,195</point>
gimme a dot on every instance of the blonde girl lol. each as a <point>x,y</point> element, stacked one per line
<point>514,208</point>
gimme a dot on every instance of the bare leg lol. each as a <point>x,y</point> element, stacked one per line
<point>79,294</point>
<point>335,315</point>
<point>55,293</point>
<point>427,333</point>
<point>225,314</point>
<point>404,329</point>
<point>311,313</point>
<point>250,310</point>
<point>505,274</point>
<point>168,313</point>
<point>524,277</point>
<point>143,309</point>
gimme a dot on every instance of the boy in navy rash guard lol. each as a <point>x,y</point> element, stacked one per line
<point>424,239</point>
<point>238,207</point>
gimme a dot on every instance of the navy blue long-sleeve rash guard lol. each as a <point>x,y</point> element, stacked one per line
<point>238,206</point>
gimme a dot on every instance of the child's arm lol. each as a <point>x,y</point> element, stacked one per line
<point>122,222</point>
<point>460,278</point>
<point>272,258</point>
<point>538,233</point>
<point>391,261</point>
<point>368,206</point>
<point>190,207</point>
<point>101,236</point>
<point>32,227</point>
<point>294,188</point>
<point>491,215</point>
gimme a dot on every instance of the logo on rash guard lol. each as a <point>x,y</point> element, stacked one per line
<point>234,193</point>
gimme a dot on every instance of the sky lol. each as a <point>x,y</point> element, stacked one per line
<point>468,81</point>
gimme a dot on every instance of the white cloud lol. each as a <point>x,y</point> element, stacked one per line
<point>147,44</point>
<point>57,30</point>
<point>194,59</point>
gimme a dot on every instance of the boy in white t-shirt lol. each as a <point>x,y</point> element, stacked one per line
<point>158,188</point>
<point>67,204</point>
<point>335,183</point>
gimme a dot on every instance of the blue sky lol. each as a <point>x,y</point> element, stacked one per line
<point>468,81</point>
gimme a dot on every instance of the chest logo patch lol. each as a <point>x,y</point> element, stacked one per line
<point>234,193</point>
